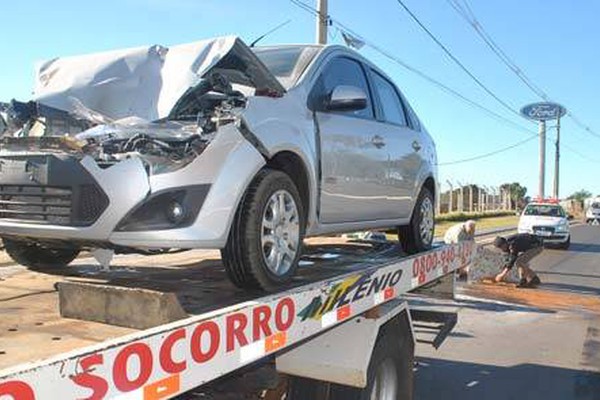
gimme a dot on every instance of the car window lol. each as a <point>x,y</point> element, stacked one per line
<point>343,71</point>
<point>414,120</point>
<point>389,101</point>
<point>286,63</point>
<point>543,210</point>
<point>595,205</point>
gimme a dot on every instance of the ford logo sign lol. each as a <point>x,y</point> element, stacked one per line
<point>543,111</point>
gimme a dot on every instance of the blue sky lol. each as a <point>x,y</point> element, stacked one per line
<point>554,42</point>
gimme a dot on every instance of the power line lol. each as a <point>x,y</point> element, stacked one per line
<point>414,70</point>
<point>491,153</point>
<point>467,13</point>
<point>440,85</point>
<point>456,60</point>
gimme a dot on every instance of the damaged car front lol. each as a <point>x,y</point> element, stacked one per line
<point>142,150</point>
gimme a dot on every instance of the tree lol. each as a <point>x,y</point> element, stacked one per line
<point>580,195</point>
<point>516,193</point>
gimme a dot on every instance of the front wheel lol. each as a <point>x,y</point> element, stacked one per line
<point>266,236</point>
<point>565,245</point>
<point>36,256</point>
<point>418,235</point>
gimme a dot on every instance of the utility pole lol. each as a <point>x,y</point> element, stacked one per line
<point>556,160</point>
<point>322,20</point>
<point>542,159</point>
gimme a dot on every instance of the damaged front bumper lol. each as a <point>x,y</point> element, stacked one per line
<point>128,206</point>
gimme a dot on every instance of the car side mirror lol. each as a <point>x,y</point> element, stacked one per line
<point>570,217</point>
<point>346,98</point>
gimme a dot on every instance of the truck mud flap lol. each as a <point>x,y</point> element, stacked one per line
<point>428,323</point>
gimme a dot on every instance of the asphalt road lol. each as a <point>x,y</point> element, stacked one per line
<point>503,350</point>
<point>576,270</point>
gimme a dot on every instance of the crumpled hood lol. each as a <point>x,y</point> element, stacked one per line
<point>146,82</point>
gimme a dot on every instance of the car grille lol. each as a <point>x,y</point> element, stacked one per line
<point>543,229</point>
<point>80,205</point>
<point>36,203</point>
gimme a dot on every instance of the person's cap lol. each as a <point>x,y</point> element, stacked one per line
<point>499,241</point>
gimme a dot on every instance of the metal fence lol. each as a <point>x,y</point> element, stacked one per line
<point>458,197</point>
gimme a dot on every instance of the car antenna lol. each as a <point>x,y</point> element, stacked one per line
<point>269,32</point>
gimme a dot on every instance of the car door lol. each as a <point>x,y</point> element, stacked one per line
<point>353,156</point>
<point>402,143</point>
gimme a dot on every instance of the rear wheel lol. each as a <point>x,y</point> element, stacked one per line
<point>265,241</point>
<point>36,256</point>
<point>418,235</point>
<point>389,376</point>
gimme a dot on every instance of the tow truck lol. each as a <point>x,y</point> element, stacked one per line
<point>344,330</point>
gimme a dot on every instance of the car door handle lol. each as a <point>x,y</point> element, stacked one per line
<point>377,141</point>
<point>416,146</point>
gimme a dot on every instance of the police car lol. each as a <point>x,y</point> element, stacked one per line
<point>547,220</point>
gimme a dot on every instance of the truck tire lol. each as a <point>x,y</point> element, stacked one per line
<point>389,376</point>
<point>418,235</point>
<point>34,256</point>
<point>265,240</point>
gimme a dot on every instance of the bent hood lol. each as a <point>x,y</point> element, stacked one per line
<point>146,82</point>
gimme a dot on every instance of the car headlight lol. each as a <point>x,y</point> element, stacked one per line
<point>523,228</point>
<point>564,227</point>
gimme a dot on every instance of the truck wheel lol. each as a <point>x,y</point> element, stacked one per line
<point>265,240</point>
<point>389,376</point>
<point>35,256</point>
<point>418,235</point>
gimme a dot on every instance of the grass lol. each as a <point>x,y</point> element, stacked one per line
<point>483,223</point>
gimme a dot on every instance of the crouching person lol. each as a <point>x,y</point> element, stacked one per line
<point>460,233</point>
<point>521,248</point>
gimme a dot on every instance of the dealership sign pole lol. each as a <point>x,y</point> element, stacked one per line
<point>543,112</point>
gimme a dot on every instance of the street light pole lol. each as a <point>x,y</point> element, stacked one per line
<point>556,160</point>
<point>322,20</point>
<point>541,182</point>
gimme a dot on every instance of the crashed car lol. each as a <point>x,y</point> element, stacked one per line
<point>212,145</point>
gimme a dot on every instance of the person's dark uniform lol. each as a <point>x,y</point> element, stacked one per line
<point>522,248</point>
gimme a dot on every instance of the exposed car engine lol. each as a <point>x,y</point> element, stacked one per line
<point>164,145</point>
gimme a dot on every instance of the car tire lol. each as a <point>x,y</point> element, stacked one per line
<point>565,245</point>
<point>418,235</point>
<point>35,256</point>
<point>265,240</point>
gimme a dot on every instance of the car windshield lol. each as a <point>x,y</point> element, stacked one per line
<point>286,62</point>
<point>595,205</point>
<point>544,210</point>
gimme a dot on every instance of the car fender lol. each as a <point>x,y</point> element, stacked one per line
<point>285,124</point>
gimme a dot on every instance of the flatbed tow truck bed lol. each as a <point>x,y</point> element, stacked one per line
<point>45,355</point>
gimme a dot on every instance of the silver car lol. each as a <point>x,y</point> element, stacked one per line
<point>212,145</point>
